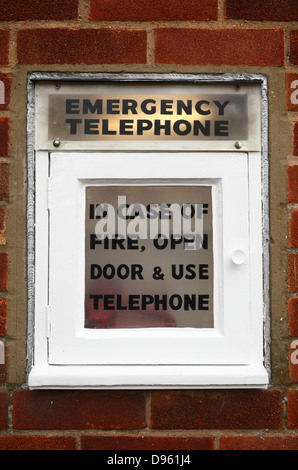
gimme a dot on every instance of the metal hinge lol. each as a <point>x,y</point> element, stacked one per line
<point>50,192</point>
<point>48,317</point>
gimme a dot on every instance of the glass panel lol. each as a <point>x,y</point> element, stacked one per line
<point>149,257</point>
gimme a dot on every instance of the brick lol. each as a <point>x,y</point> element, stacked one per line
<point>293,230</point>
<point>275,10</point>
<point>82,46</point>
<point>2,225</point>
<point>292,175</point>
<point>294,47</point>
<point>292,409</point>
<point>78,410</point>
<point>292,91</point>
<point>219,46</point>
<point>4,181</point>
<point>4,136</point>
<point>37,443</point>
<point>293,362</point>
<point>3,272</point>
<point>293,316</point>
<point>3,373</point>
<point>162,10</point>
<point>259,443</point>
<point>39,10</point>
<point>293,272</point>
<point>4,49</point>
<point>3,410</point>
<point>295,139</point>
<point>146,443</point>
<point>3,317</point>
<point>228,409</point>
<point>6,79</point>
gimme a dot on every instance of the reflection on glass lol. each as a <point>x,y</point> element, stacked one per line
<point>149,257</point>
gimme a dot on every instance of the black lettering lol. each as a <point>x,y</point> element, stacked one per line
<point>190,208</point>
<point>166,106</point>
<point>175,240</point>
<point>145,109</point>
<point>160,301</point>
<point>136,272</point>
<point>175,302</point>
<point>91,126</point>
<point>123,271</point>
<point>72,106</point>
<point>221,107</point>
<point>118,242</point>
<point>181,106</point>
<point>163,244</point>
<point>97,213</point>
<point>178,275</point>
<point>189,302</point>
<point>147,300</point>
<point>191,269</point>
<point>96,298</point>
<point>199,127</point>
<point>165,212</point>
<point>91,212</point>
<point>126,126</point>
<point>221,128</point>
<point>108,302</point>
<point>143,125</point>
<point>94,241</point>
<point>73,125</point>
<point>95,108</point>
<point>120,209</point>
<point>199,108</point>
<point>203,271</point>
<point>133,302</point>
<point>119,303</point>
<point>132,243</point>
<point>178,130</point>
<point>113,106</point>
<point>109,271</point>
<point>129,105</point>
<point>100,211</point>
<point>105,128</point>
<point>158,127</point>
<point>95,271</point>
<point>203,302</point>
<point>152,211</point>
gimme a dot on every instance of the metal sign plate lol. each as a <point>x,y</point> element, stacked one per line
<point>148,116</point>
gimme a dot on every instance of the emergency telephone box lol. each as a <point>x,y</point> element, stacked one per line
<point>147,231</point>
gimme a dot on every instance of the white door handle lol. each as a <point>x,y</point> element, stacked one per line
<point>238,257</point>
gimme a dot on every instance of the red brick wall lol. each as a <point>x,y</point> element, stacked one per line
<point>157,36</point>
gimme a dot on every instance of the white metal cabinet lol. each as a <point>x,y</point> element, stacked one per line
<point>230,352</point>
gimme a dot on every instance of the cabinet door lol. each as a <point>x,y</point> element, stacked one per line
<point>136,318</point>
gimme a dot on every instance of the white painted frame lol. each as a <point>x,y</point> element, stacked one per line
<point>231,354</point>
<point>40,374</point>
<point>70,342</point>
